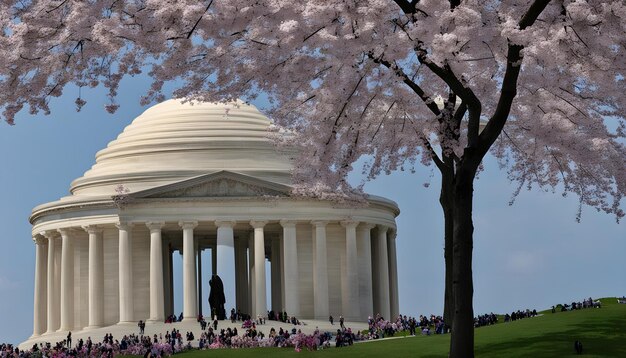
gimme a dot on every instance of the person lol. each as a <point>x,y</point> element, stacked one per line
<point>578,347</point>
<point>330,319</point>
<point>69,339</point>
<point>215,322</point>
<point>341,322</point>
<point>142,326</point>
<point>338,339</point>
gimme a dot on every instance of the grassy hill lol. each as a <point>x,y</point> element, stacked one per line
<point>602,332</point>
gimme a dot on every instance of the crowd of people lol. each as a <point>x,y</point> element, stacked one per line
<point>486,319</point>
<point>585,303</point>
<point>491,318</point>
<point>426,325</point>
<point>173,341</point>
<point>514,316</point>
<point>211,338</point>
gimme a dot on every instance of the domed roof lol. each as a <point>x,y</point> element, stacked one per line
<point>172,141</point>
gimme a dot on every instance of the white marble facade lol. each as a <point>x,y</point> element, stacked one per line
<point>205,177</point>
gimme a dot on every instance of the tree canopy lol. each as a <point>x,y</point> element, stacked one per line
<point>538,83</point>
<point>355,78</point>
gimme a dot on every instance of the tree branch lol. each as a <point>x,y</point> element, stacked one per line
<point>467,95</point>
<point>430,103</point>
<point>508,90</point>
<point>438,162</point>
<point>200,18</point>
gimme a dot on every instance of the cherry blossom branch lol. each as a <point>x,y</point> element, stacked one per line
<point>460,88</point>
<point>438,162</point>
<point>508,90</point>
<point>428,101</point>
<point>200,18</point>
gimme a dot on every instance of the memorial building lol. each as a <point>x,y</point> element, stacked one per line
<point>183,178</point>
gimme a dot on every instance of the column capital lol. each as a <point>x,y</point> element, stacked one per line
<point>393,234</point>
<point>258,224</point>
<point>157,225</point>
<point>349,223</point>
<point>318,223</point>
<point>40,240</point>
<point>225,223</point>
<point>188,224</point>
<point>382,228</point>
<point>49,234</point>
<point>64,232</point>
<point>124,225</point>
<point>368,226</point>
<point>288,223</point>
<point>92,229</point>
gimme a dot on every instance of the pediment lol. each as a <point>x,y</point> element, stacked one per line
<point>220,184</point>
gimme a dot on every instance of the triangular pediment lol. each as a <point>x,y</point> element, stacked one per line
<point>219,184</point>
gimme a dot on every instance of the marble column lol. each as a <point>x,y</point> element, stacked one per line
<point>364,248</point>
<point>241,274</point>
<point>157,308</point>
<point>383,273</point>
<point>252,276</point>
<point>57,280</point>
<point>226,260</point>
<point>350,296</point>
<point>190,304</point>
<point>170,256</point>
<point>39,302</point>
<point>67,281</point>
<point>259,264</point>
<point>96,277</point>
<point>125,272</point>
<point>393,276</point>
<point>52,310</point>
<point>199,254</point>
<point>320,271</point>
<point>277,304</point>
<point>281,244</point>
<point>167,279</point>
<point>290,261</point>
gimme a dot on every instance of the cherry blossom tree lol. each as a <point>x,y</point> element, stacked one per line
<point>538,84</point>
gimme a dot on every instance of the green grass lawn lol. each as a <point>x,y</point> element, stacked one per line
<point>602,332</point>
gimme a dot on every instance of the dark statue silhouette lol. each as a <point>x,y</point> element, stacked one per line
<point>217,298</point>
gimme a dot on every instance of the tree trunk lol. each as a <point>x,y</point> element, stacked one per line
<point>462,340</point>
<point>445,199</point>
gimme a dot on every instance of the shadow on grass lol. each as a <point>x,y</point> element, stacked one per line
<point>604,340</point>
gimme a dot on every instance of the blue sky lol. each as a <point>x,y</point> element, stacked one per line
<point>529,255</point>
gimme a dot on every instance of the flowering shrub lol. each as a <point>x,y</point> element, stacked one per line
<point>216,345</point>
<point>249,342</point>
<point>301,340</point>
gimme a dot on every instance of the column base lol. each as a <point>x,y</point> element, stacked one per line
<point>155,320</point>
<point>91,327</point>
<point>190,319</point>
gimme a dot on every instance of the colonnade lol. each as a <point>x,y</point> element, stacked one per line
<point>368,281</point>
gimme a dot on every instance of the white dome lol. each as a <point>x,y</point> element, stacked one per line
<point>172,141</point>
